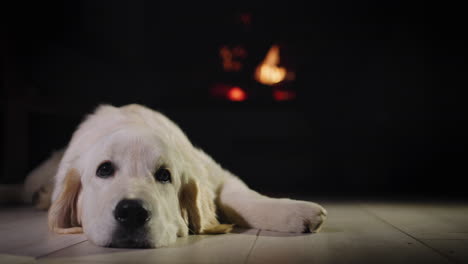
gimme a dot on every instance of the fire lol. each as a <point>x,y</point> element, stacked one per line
<point>268,72</point>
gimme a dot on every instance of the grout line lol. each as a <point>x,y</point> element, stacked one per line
<point>253,245</point>
<point>47,254</point>
<point>448,257</point>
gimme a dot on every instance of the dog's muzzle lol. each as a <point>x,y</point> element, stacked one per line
<point>131,214</point>
<point>131,231</point>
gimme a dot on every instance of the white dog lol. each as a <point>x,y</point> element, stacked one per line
<point>131,178</point>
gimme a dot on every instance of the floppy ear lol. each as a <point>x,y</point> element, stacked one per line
<point>63,214</point>
<point>199,211</point>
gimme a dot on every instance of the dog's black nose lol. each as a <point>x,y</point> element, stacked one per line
<point>131,213</point>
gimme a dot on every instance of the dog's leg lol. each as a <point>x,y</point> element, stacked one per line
<point>39,183</point>
<point>38,186</point>
<point>247,208</point>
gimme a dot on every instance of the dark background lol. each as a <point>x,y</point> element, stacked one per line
<point>379,108</point>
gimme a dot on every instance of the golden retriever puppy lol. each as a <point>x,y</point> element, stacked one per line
<point>131,178</point>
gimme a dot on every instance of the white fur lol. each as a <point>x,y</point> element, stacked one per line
<point>138,140</point>
<point>41,176</point>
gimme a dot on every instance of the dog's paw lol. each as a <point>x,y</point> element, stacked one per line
<point>42,198</point>
<point>312,216</point>
<point>300,216</point>
<point>282,215</point>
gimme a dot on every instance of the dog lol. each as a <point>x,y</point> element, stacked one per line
<point>131,178</point>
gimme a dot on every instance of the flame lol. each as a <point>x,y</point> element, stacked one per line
<point>268,71</point>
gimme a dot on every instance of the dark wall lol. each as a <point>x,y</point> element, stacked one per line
<point>379,106</point>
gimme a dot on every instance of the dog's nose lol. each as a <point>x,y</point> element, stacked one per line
<point>131,213</point>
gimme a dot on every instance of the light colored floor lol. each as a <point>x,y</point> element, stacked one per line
<point>365,232</point>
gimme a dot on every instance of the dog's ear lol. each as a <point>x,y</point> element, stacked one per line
<point>199,211</point>
<point>64,215</point>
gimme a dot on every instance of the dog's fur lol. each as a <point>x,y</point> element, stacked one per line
<point>139,140</point>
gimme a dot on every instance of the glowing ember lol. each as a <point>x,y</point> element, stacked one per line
<point>232,57</point>
<point>236,94</point>
<point>268,71</point>
<point>245,18</point>
<point>282,95</point>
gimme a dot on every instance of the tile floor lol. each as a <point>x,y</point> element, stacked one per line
<point>355,232</point>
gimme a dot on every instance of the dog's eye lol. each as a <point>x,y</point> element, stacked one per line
<point>163,175</point>
<point>105,170</point>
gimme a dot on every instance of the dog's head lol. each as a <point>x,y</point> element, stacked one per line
<point>131,178</point>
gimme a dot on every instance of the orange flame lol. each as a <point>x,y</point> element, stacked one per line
<point>268,72</point>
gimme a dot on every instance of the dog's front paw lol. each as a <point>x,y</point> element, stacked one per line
<point>311,215</point>
<point>283,215</point>
<point>300,216</point>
